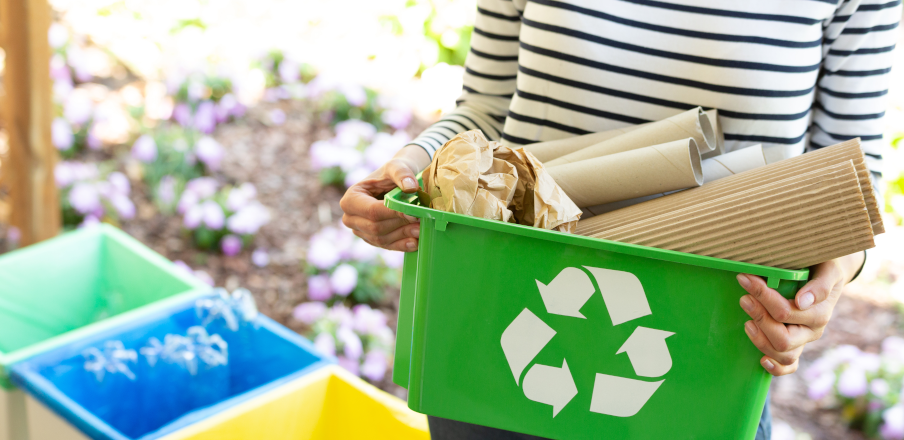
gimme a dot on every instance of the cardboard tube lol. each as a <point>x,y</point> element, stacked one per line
<point>690,124</point>
<point>713,169</point>
<point>720,136</point>
<point>737,161</point>
<point>630,174</point>
<point>550,150</point>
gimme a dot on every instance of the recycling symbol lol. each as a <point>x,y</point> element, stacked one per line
<point>625,300</point>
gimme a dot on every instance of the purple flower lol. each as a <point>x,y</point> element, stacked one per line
<point>260,257</point>
<point>325,154</point>
<point>319,288</point>
<point>852,383</point>
<point>59,71</point>
<point>322,254</point>
<point>384,147</point>
<point>354,94</point>
<point>203,187</point>
<point>225,107</point>
<point>397,118</point>
<point>182,114</point>
<point>13,235</point>
<point>205,117</point>
<point>893,428</point>
<point>367,320</point>
<point>349,364</point>
<point>213,215</point>
<point>309,312</point>
<point>288,71</point>
<point>193,217</point>
<point>352,132</point>
<point>879,387</point>
<point>64,174</point>
<point>61,134</point>
<point>821,386</point>
<point>249,219</point>
<point>57,35</point>
<point>124,207</point>
<point>85,198</point>
<point>374,366</point>
<point>356,175</point>
<point>351,343</point>
<point>340,315</point>
<point>78,107</point>
<point>119,182</point>
<point>231,245</point>
<point>325,344</point>
<point>195,90</point>
<point>277,117</point>
<point>344,279</point>
<point>240,196</point>
<point>363,251</point>
<point>893,346</point>
<point>210,152</point>
<point>182,267</point>
<point>166,190</point>
<point>90,221</point>
<point>92,139</point>
<point>144,149</point>
<point>392,259</point>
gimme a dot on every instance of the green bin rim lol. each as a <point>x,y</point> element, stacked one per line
<point>195,287</point>
<point>402,202</point>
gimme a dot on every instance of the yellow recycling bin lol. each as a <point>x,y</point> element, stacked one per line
<point>328,404</point>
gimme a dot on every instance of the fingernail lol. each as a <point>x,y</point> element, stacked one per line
<point>743,280</point>
<point>806,300</point>
<point>416,232</point>
<point>751,328</point>
<point>412,244</point>
<point>746,304</point>
<point>408,183</point>
<point>767,364</point>
<point>412,219</point>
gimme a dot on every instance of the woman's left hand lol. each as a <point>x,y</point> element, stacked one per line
<point>780,327</point>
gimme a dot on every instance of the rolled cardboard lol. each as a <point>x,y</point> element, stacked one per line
<point>690,124</point>
<point>720,136</point>
<point>839,153</point>
<point>738,161</point>
<point>792,223</point>
<point>550,150</point>
<point>713,169</point>
<point>630,174</point>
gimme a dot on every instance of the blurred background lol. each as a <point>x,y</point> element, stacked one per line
<point>223,134</point>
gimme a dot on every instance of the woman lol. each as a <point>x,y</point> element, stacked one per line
<point>794,75</point>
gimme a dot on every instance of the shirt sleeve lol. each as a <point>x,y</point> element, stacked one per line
<point>851,92</point>
<point>489,79</point>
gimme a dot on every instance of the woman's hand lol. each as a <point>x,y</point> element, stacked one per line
<point>779,327</point>
<point>365,213</point>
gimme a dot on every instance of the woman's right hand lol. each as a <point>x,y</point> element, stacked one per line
<point>365,213</point>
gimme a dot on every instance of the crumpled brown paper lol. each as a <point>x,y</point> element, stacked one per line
<point>470,175</point>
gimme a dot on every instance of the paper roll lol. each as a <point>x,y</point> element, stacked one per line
<point>550,150</point>
<point>737,161</point>
<point>713,169</point>
<point>720,137</point>
<point>631,174</point>
<point>690,124</point>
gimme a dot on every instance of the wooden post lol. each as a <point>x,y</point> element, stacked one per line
<point>28,112</point>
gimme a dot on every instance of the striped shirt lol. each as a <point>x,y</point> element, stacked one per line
<point>790,74</point>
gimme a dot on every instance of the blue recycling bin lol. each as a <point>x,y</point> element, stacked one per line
<point>162,399</point>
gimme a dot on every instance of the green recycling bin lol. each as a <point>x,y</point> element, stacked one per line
<point>569,337</point>
<point>59,290</point>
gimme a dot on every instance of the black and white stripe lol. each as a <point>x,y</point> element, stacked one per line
<point>790,74</point>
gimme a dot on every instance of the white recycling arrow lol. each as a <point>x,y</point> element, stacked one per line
<point>648,352</point>
<point>550,385</point>
<point>523,339</point>
<point>567,292</point>
<point>623,294</point>
<point>620,397</point>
